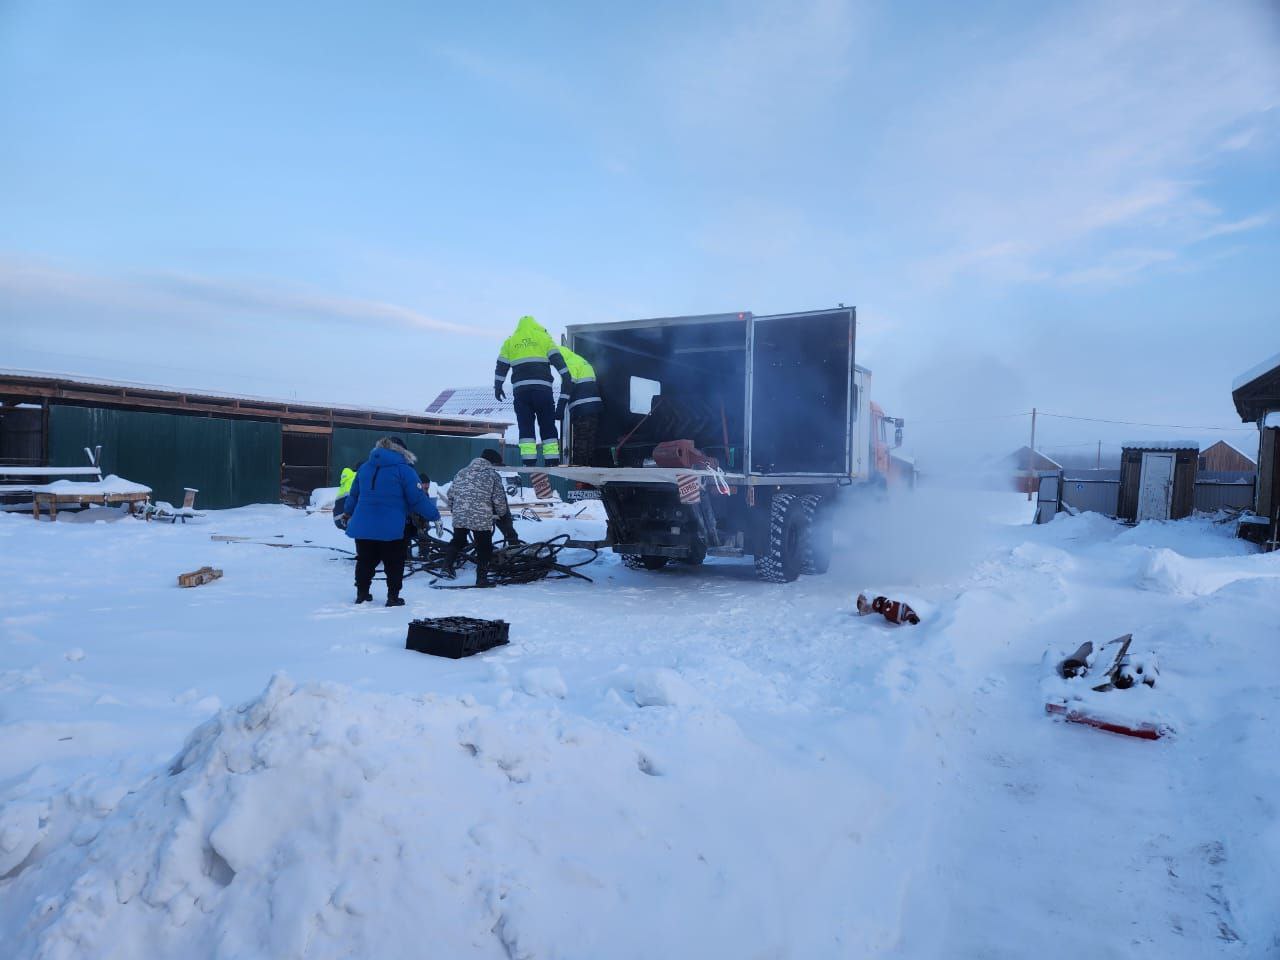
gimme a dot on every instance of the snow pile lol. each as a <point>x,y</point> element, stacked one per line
<point>315,821</point>
<point>673,763</point>
<point>108,484</point>
<point>1170,572</point>
<point>323,498</point>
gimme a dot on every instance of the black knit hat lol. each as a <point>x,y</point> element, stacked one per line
<point>493,456</point>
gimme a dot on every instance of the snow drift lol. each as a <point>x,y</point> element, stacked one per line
<point>316,821</point>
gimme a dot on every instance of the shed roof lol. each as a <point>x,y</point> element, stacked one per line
<point>472,402</point>
<point>1257,390</point>
<point>1018,459</point>
<point>1161,445</point>
<point>76,389</point>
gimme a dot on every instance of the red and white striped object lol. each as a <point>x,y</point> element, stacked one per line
<point>689,486</point>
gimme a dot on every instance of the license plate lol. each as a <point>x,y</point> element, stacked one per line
<point>584,494</point>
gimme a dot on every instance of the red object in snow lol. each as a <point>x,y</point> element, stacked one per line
<point>895,611</point>
<point>1143,731</point>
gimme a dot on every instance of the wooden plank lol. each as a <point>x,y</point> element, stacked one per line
<point>49,472</point>
<point>300,428</point>
<point>197,577</point>
<point>144,399</point>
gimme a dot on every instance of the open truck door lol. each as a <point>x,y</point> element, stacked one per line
<point>800,393</point>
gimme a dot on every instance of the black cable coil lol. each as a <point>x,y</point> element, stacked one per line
<point>511,563</point>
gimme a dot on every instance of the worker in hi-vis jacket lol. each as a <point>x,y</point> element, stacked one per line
<point>583,404</point>
<point>528,355</point>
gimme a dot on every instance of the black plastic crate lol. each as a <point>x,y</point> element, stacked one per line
<point>456,637</point>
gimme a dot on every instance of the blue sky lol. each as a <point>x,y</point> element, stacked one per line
<point>1073,205</point>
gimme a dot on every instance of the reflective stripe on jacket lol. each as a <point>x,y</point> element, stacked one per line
<point>583,390</point>
<point>528,354</point>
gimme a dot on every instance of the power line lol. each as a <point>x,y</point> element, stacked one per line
<point>1078,443</point>
<point>1067,416</point>
<point>994,416</point>
<point>1135,423</point>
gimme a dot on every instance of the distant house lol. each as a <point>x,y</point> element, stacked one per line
<point>1222,457</point>
<point>1256,394</point>
<point>1023,459</point>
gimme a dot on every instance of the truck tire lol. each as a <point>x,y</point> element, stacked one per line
<point>815,549</point>
<point>780,562</point>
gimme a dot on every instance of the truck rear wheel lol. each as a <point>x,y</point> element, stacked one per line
<point>780,561</point>
<point>815,548</point>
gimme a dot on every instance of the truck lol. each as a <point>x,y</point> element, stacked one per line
<point>730,435</point>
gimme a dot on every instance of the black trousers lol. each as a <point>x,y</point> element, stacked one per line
<point>536,404</point>
<point>390,553</point>
<point>585,421</point>
<point>483,540</point>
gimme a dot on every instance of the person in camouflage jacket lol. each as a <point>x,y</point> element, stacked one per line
<point>477,501</point>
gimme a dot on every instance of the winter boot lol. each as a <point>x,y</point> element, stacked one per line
<point>449,569</point>
<point>394,600</point>
<point>363,596</point>
<point>482,576</point>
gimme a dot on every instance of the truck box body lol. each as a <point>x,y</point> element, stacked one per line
<point>768,396</point>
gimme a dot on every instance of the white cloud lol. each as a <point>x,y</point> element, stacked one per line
<point>171,295</point>
<point>1097,133</point>
<point>1117,266</point>
<point>1236,226</point>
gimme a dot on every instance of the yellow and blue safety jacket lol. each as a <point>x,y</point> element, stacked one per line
<point>529,354</point>
<point>584,393</point>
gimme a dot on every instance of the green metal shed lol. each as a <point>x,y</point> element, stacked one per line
<point>234,450</point>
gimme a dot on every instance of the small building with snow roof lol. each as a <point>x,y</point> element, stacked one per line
<point>1256,394</point>
<point>1157,479</point>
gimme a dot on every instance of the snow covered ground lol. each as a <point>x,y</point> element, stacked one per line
<point>683,763</point>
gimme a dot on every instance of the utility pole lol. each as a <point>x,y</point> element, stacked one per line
<point>1031,457</point>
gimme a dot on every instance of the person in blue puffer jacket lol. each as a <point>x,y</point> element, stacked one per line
<point>383,496</point>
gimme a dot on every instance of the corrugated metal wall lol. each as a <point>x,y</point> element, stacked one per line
<point>1214,495</point>
<point>438,457</point>
<point>231,462</point>
<point>1096,494</point>
<point>1099,491</point>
